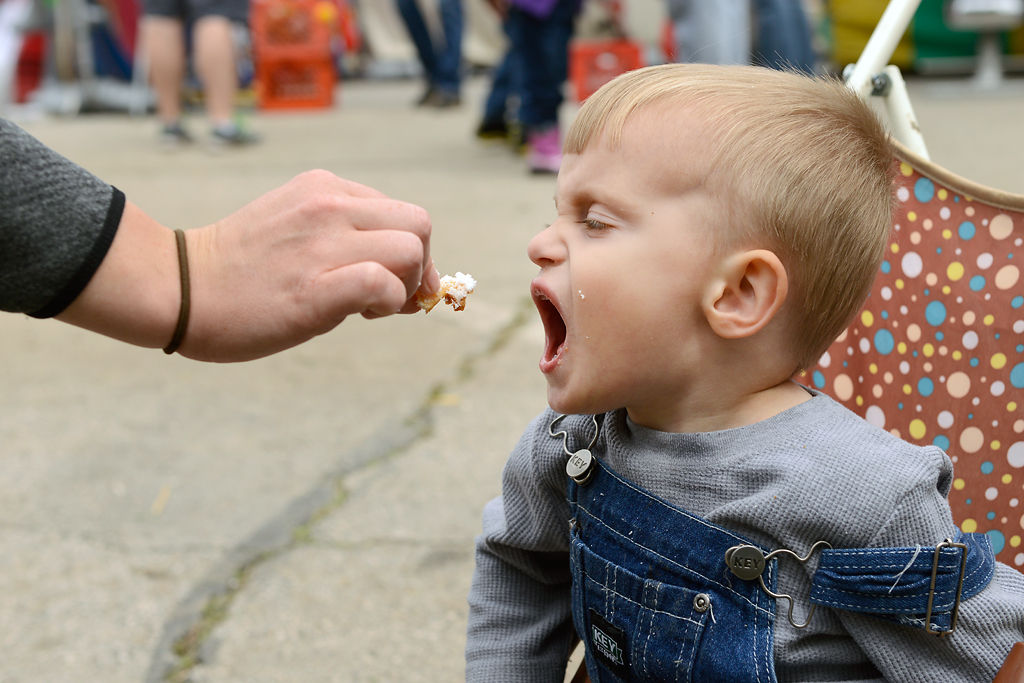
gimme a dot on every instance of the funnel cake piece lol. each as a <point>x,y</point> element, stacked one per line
<point>454,289</point>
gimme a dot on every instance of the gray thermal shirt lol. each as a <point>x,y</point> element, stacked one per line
<point>57,221</point>
<point>814,472</point>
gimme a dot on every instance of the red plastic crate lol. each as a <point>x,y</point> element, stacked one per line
<point>293,29</point>
<point>295,84</point>
<point>291,42</point>
<point>592,63</point>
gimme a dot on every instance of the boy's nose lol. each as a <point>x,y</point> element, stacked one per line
<point>545,248</point>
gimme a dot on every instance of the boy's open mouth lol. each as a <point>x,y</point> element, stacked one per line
<point>554,331</point>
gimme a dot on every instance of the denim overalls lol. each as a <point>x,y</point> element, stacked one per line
<point>654,599</point>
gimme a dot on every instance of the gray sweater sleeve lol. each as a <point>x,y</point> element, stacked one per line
<point>57,222</point>
<point>520,621</point>
<point>989,623</point>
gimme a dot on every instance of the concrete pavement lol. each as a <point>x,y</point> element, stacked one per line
<point>310,516</point>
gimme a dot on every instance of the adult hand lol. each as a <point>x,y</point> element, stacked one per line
<point>291,265</point>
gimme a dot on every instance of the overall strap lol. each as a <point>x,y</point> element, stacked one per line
<point>920,587</point>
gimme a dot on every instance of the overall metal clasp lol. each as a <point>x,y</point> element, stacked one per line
<point>581,464</point>
<point>948,543</point>
<point>748,563</point>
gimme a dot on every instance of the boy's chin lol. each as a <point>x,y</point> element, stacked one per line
<point>560,404</point>
<point>569,405</point>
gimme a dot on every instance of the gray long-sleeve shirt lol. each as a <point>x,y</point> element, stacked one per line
<point>814,472</point>
<point>57,221</point>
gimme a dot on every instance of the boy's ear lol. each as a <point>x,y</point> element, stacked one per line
<point>746,293</point>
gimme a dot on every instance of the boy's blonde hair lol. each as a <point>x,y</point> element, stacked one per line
<point>808,165</point>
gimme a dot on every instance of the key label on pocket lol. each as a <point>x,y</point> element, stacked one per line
<point>609,643</point>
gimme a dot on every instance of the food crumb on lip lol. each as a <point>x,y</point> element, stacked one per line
<point>454,289</point>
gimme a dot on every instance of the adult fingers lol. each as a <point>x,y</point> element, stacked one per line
<point>370,214</point>
<point>382,213</point>
<point>367,288</point>
<point>326,182</point>
<point>430,282</point>
<point>397,251</point>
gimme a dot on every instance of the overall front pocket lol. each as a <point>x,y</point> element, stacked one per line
<point>635,628</point>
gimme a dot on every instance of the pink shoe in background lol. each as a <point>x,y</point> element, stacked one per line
<point>545,155</point>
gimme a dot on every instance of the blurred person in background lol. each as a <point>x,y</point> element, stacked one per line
<point>783,38</point>
<point>540,31</point>
<point>500,119</point>
<point>214,58</point>
<point>442,62</point>
<point>711,31</point>
<point>771,33</point>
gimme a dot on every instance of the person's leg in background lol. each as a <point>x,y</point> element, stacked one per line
<point>420,36</point>
<point>783,36</point>
<point>441,67</point>
<point>449,59</point>
<point>216,65</point>
<point>711,32</point>
<point>501,108</point>
<point>163,39</point>
<point>214,55</point>
<point>543,47</point>
<point>214,51</point>
<point>493,123</point>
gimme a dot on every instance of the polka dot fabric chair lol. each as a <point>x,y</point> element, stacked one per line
<point>936,356</point>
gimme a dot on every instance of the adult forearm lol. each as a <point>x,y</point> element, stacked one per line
<point>135,294</point>
<point>292,264</point>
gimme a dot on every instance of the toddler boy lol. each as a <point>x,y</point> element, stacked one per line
<point>716,229</point>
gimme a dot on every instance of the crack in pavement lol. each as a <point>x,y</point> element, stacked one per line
<point>207,604</point>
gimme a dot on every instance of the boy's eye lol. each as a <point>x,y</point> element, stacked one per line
<point>594,224</point>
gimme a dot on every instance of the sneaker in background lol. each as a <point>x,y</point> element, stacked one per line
<point>232,135</point>
<point>174,135</point>
<point>492,129</point>
<point>545,150</point>
<point>442,99</point>
<point>511,133</point>
<point>428,94</point>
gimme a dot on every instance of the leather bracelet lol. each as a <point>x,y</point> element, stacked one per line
<point>179,329</point>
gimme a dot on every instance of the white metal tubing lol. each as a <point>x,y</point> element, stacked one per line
<point>901,115</point>
<point>891,27</point>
